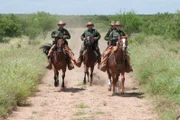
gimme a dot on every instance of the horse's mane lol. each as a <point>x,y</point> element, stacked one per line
<point>46,48</point>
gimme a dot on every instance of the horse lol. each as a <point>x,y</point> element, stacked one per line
<point>89,59</point>
<point>59,60</point>
<point>116,64</point>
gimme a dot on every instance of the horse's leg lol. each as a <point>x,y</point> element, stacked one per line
<point>122,80</point>
<point>92,70</point>
<point>63,76</point>
<point>84,78</point>
<point>84,74</point>
<point>56,79</point>
<point>87,73</point>
<point>117,82</point>
<point>109,81</point>
<point>114,83</point>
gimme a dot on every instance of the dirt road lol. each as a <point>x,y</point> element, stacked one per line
<point>79,102</point>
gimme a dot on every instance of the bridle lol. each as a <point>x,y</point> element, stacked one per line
<point>59,45</point>
<point>122,43</point>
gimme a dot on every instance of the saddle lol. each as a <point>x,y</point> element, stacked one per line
<point>113,42</point>
<point>60,50</point>
<point>85,51</point>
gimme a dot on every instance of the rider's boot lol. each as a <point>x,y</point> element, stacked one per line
<point>49,66</point>
<point>80,59</point>
<point>128,68</point>
<point>99,58</point>
<point>70,64</point>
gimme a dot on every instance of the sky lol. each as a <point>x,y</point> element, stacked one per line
<point>89,7</point>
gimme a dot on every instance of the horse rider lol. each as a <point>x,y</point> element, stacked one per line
<point>61,33</point>
<point>95,35</point>
<point>113,27</point>
<point>113,37</point>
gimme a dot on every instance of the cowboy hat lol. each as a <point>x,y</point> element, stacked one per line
<point>89,23</point>
<point>61,23</point>
<point>118,23</point>
<point>112,23</point>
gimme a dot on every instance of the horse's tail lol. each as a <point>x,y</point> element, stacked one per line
<point>46,48</point>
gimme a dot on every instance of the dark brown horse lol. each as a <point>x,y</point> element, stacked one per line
<point>89,59</point>
<point>59,60</point>
<point>116,64</point>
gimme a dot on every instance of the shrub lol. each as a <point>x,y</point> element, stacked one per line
<point>157,68</point>
<point>131,21</point>
<point>9,26</point>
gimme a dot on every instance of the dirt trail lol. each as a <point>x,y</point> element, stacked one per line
<point>80,102</point>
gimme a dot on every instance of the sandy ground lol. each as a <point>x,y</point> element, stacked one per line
<point>79,102</point>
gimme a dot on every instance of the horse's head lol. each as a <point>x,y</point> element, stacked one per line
<point>89,41</point>
<point>59,45</point>
<point>122,42</point>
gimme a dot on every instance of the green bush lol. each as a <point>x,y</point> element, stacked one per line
<point>157,68</point>
<point>9,26</point>
<point>39,24</point>
<point>131,21</point>
<point>21,68</point>
<point>164,24</point>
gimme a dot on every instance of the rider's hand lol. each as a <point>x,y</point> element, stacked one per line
<point>110,47</point>
<point>64,37</point>
<point>117,43</point>
<point>56,35</point>
<point>88,37</point>
<point>84,38</point>
<point>95,38</point>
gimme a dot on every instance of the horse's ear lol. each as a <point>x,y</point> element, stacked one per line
<point>126,36</point>
<point>119,37</point>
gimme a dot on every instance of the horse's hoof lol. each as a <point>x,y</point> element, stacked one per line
<point>113,94</point>
<point>56,83</point>
<point>62,89</point>
<point>122,91</point>
<point>90,84</point>
<point>84,82</point>
<point>109,89</point>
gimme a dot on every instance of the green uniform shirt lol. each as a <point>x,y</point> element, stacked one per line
<point>115,34</point>
<point>107,35</point>
<point>60,33</point>
<point>121,33</point>
<point>93,33</point>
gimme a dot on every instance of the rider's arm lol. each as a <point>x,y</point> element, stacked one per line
<point>107,36</point>
<point>97,36</point>
<point>110,36</point>
<point>123,33</point>
<point>68,36</point>
<point>53,34</point>
<point>83,36</point>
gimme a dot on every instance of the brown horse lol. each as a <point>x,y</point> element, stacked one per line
<point>59,61</point>
<point>116,64</point>
<point>89,59</point>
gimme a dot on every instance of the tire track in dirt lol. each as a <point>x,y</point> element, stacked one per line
<point>79,102</point>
